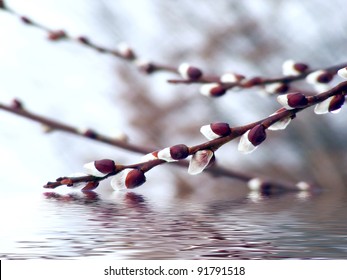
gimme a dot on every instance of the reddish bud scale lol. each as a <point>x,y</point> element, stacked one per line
<point>105,166</point>
<point>90,134</point>
<point>300,67</point>
<point>222,129</point>
<point>56,35</point>
<point>178,152</point>
<point>83,40</point>
<point>26,20</point>
<point>257,135</point>
<point>217,91</point>
<point>297,100</point>
<point>90,186</point>
<point>2,4</point>
<point>283,88</point>
<point>337,102</point>
<point>16,104</point>
<point>134,179</point>
<point>147,68</point>
<point>194,73</point>
<point>253,82</point>
<point>325,78</point>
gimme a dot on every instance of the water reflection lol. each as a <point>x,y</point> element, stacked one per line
<point>132,226</point>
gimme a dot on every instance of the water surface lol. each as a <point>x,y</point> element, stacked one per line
<point>137,226</point>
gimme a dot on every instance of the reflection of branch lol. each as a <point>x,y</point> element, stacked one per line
<point>203,154</point>
<point>216,85</point>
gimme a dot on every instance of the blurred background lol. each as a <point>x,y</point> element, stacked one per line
<point>77,85</point>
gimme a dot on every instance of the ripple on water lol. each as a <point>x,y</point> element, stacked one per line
<point>131,226</point>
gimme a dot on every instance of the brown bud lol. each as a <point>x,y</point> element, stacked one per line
<point>297,100</point>
<point>17,104</point>
<point>194,73</point>
<point>325,77</point>
<point>26,20</point>
<point>134,179</point>
<point>105,166</point>
<point>189,72</point>
<point>217,91</point>
<point>56,35</point>
<point>147,67</point>
<point>212,90</point>
<point>277,87</point>
<point>300,67</point>
<point>257,135</point>
<point>83,40</point>
<point>336,102</point>
<point>2,4</point>
<point>283,88</point>
<point>90,134</point>
<point>178,152</point>
<point>221,129</point>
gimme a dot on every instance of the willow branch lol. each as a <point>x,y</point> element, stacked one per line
<point>203,154</point>
<point>217,85</point>
<point>50,125</point>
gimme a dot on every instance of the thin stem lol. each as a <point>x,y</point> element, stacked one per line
<point>18,109</point>
<point>87,133</point>
<point>257,81</point>
<point>150,67</point>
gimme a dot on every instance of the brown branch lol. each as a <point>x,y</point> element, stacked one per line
<point>283,82</point>
<point>191,75</point>
<point>55,125</point>
<point>215,144</point>
<point>127,54</point>
<point>18,109</point>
